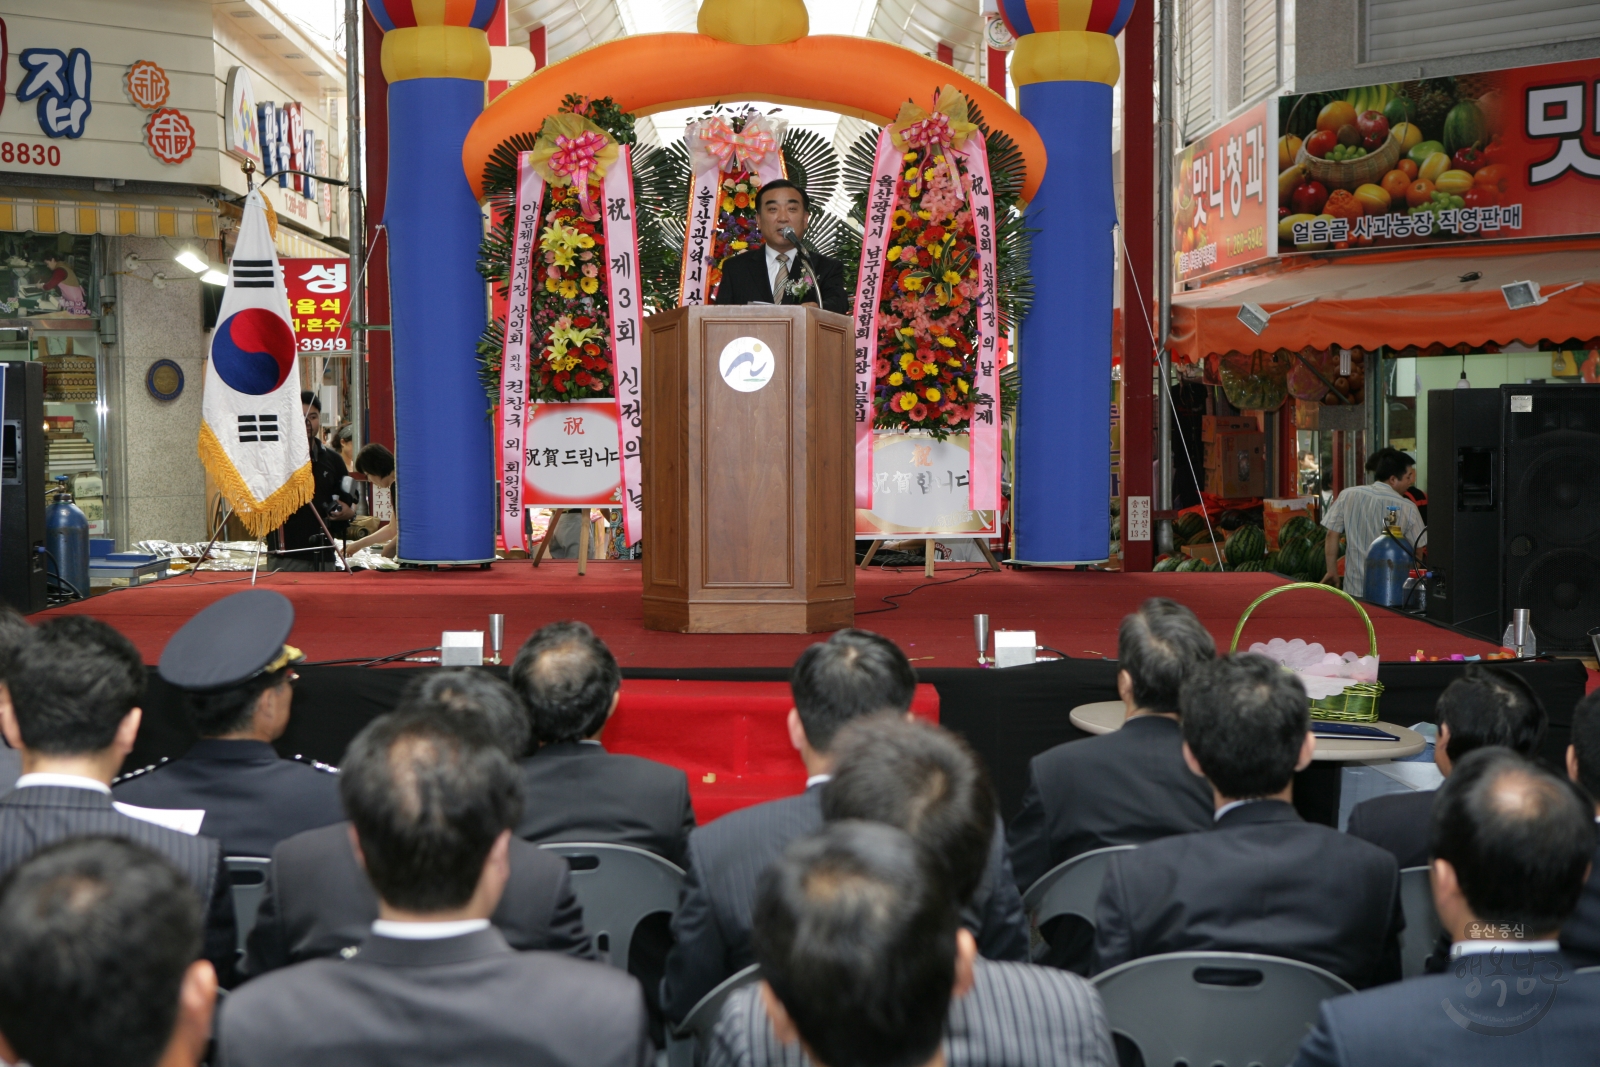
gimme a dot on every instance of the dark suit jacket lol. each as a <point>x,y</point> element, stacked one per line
<point>1015,1015</point>
<point>1406,1025</point>
<point>745,281</point>
<point>1262,881</point>
<point>1397,822</point>
<point>1123,788</point>
<point>42,815</point>
<point>252,798</point>
<point>1580,934</point>
<point>726,857</point>
<point>319,902</point>
<point>460,1000</point>
<point>580,792</point>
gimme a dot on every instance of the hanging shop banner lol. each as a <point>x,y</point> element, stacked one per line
<point>622,281</point>
<point>572,455</point>
<point>921,487</point>
<point>319,303</point>
<point>1224,204</point>
<point>869,279</point>
<point>731,157</point>
<point>514,357</point>
<point>1502,154</point>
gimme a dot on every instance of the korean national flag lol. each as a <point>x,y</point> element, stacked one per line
<point>252,433</point>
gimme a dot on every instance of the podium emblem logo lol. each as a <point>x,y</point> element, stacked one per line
<point>746,364</point>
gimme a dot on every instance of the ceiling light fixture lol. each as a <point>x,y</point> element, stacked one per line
<point>214,277</point>
<point>188,259</point>
<point>1256,317</point>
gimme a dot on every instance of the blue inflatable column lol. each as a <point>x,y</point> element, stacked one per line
<point>444,444</point>
<point>1063,450</point>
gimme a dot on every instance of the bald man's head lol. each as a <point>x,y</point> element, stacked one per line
<point>1519,838</point>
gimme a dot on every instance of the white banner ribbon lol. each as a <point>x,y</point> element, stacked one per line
<point>622,287</point>
<point>698,238</point>
<point>869,280</point>
<point>985,422</point>
<point>514,407</point>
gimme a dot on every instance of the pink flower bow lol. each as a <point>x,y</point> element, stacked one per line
<point>575,159</point>
<point>736,151</point>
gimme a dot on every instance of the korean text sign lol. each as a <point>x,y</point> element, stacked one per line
<point>1503,154</point>
<point>920,488</point>
<point>319,303</point>
<point>573,455</point>
<point>1225,201</point>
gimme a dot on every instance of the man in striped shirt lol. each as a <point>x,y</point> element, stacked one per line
<point>1359,514</point>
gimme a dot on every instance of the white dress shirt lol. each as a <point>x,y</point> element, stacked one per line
<point>65,781</point>
<point>407,931</point>
<point>772,270</point>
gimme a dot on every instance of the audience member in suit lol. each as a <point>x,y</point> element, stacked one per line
<point>799,276</point>
<point>1580,934</point>
<point>99,940</point>
<point>923,780</point>
<point>74,686</point>
<point>852,675</point>
<point>318,902</point>
<point>864,959</point>
<point>573,789</point>
<point>1261,880</point>
<point>238,671</point>
<point>1485,706</point>
<point>1511,846</point>
<point>1123,788</point>
<point>432,801</point>
<point>13,629</point>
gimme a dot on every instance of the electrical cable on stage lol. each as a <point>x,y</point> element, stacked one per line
<point>948,581</point>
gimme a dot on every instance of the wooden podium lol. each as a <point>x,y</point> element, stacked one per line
<point>749,487</point>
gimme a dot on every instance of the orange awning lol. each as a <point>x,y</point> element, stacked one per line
<point>1399,300</point>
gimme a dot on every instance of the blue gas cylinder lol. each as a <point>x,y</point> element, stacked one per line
<point>66,535</point>
<point>1388,566</point>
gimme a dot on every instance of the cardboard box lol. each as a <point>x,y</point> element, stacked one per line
<point>1276,513</point>
<point>1241,467</point>
<point>1213,425</point>
<point>1206,551</point>
<point>1315,415</point>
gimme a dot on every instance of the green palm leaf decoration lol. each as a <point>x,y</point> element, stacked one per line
<point>810,163</point>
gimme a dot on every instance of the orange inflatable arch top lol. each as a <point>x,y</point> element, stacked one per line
<point>660,71</point>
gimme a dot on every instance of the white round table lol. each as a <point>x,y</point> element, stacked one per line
<point>1102,717</point>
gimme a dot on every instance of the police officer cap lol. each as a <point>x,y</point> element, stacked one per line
<point>234,640</point>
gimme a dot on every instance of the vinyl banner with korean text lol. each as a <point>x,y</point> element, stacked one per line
<point>1502,154</point>
<point>921,488</point>
<point>1225,203</point>
<point>573,455</point>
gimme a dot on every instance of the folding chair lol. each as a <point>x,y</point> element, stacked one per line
<point>691,1039</point>
<point>1421,935</point>
<point>248,878</point>
<point>1068,889</point>
<point>1220,1009</point>
<point>618,886</point>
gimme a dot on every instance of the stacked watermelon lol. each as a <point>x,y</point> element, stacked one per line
<point>1300,550</point>
<point>1246,545</point>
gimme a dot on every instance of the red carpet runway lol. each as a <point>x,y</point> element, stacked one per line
<point>372,614</point>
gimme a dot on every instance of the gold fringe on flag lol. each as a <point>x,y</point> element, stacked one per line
<point>259,517</point>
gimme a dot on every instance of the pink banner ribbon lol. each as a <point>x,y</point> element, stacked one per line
<point>984,421</point>
<point>869,280</point>
<point>622,282</point>
<point>514,407</point>
<point>575,159</point>
<point>735,151</point>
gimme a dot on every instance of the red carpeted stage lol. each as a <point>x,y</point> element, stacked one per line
<point>715,704</point>
<point>372,614</point>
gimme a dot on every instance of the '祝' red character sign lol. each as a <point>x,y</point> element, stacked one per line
<point>170,135</point>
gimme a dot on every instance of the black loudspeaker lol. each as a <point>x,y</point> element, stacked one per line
<point>1465,499</point>
<point>22,571</point>
<point>1550,525</point>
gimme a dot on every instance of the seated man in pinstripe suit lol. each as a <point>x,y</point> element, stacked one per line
<point>853,675</point>
<point>75,684</point>
<point>925,781</point>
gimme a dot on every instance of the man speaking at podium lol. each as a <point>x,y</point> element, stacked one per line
<point>785,266</point>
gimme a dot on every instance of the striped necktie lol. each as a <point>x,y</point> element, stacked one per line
<point>782,279</point>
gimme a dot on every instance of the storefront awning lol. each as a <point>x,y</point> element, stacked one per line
<point>1399,300</point>
<point>113,218</point>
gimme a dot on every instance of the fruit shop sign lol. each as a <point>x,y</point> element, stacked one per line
<point>1224,200</point>
<point>1510,153</point>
